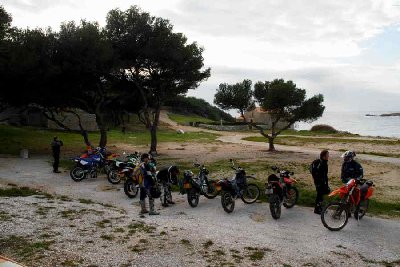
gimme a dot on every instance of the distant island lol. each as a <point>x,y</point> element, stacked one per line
<point>384,115</point>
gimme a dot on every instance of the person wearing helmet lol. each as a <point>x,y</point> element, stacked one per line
<point>147,169</point>
<point>351,169</point>
<point>319,172</point>
<point>167,176</point>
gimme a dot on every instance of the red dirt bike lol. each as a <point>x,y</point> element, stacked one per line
<point>354,197</point>
<point>281,190</point>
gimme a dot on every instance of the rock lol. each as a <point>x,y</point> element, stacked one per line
<point>180,131</point>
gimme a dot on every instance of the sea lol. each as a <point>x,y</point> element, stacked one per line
<point>359,123</point>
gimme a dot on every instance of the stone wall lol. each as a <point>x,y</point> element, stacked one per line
<point>88,122</point>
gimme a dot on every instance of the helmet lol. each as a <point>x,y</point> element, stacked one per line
<point>348,155</point>
<point>188,174</point>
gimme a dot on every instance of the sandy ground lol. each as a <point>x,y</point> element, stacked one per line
<point>297,239</point>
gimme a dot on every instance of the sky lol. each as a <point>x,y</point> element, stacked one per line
<point>347,50</point>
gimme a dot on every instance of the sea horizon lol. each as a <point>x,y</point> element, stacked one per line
<point>357,122</point>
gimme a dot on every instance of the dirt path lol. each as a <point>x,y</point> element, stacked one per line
<point>297,239</point>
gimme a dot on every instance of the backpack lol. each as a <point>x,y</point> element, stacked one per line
<point>314,166</point>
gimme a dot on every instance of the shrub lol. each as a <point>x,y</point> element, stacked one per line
<point>323,128</point>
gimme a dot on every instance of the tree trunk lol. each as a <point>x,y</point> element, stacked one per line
<point>153,145</point>
<point>102,128</point>
<point>244,118</point>
<point>271,144</point>
<point>153,132</point>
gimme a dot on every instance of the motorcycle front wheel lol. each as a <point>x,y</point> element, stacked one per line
<point>275,206</point>
<point>130,188</point>
<point>113,177</point>
<point>77,174</point>
<point>334,216</point>
<point>250,194</point>
<point>227,201</point>
<point>292,198</point>
<point>193,197</point>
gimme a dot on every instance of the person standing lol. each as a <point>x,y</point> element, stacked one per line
<point>351,169</point>
<point>56,149</point>
<point>147,169</point>
<point>319,171</point>
<point>167,176</point>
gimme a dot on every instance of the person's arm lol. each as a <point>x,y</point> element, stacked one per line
<point>360,171</point>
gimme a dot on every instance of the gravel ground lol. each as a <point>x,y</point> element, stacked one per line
<point>68,231</point>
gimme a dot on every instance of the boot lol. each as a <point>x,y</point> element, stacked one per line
<point>318,209</point>
<point>143,206</point>
<point>152,209</point>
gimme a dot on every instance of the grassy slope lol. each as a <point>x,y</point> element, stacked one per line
<point>13,139</point>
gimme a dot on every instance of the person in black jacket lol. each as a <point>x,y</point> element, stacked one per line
<point>351,169</point>
<point>167,176</point>
<point>56,149</point>
<point>319,171</point>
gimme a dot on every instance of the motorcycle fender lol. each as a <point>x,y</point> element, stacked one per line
<point>335,192</point>
<point>369,192</point>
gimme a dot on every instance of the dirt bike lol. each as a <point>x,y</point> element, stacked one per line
<point>119,168</point>
<point>281,190</point>
<point>134,178</point>
<point>196,186</point>
<point>237,187</point>
<point>354,197</point>
<point>86,167</point>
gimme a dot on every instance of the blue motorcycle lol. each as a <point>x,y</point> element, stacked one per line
<point>86,167</point>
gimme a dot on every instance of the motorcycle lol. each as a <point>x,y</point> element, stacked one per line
<point>354,197</point>
<point>281,190</point>
<point>237,187</point>
<point>196,186</point>
<point>120,169</point>
<point>134,175</point>
<point>86,166</point>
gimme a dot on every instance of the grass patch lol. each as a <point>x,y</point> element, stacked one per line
<point>107,237</point>
<point>86,201</point>
<point>102,224</point>
<point>140,227</point>
<point>18,192</point>
<point>185,119</point>
<point>23,247</point>
<point>4,216</point>
<point>208,244</point>
<point>302,141</point>
<point>185,242</point>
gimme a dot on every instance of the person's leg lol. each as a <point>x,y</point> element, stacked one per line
<point>318,201</point>
<point>142,201</point>
<point>151,203</point>
<point>56,162</point>
<point>169,195</point>
<point>164,196</point>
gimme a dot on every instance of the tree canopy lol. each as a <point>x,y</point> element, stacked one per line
<point>235,96</point>
<point>286,103</point>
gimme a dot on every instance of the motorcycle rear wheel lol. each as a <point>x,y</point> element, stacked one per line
<point>334,216</point>
<point>193,197</point>
<point>130,188</point>
<point>293,197</point>
<point>227,201</point>
<point>275,206</point>
<point>250,194</point>
<point>77,174</point>
<point>113,177</point>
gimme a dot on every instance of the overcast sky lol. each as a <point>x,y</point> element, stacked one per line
<point>347,50</point>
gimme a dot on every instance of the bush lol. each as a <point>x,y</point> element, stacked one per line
<point>197,106</point>
<point>323,128</point>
